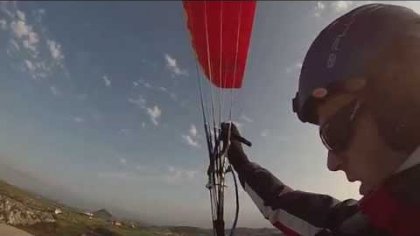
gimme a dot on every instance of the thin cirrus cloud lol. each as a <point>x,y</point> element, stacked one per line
<point>172,65</point>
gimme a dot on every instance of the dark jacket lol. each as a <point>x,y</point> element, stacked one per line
<point>392,209</point>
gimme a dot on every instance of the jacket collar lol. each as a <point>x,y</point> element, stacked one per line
<point>395,207</point>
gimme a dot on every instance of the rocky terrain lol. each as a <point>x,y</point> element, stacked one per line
<point>15,213</point>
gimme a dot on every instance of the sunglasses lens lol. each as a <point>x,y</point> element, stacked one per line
<point>336,132</point>
<point>335,135</point>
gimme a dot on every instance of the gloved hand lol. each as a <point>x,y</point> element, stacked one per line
<point>236,154</point>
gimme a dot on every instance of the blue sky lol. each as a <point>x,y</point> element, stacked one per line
<point>99,106</point>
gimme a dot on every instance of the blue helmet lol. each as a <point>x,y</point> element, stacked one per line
<point>343,50</point>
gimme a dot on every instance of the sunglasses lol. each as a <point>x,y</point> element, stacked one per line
<point>337,131</point>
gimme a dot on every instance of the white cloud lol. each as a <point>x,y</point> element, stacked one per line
<point>320,5</point>
<point>143,124</point>
<point>168,175</point>
<point>140,102</point>
<point>294,68</point>
<point>33,38</point>
<point>123,161</point>
<point>143,83</point>
<point>179,175</point>
<point>20,15</point>
<point>4,5</point>
<point>337,6</point>
<point>171,62</point>
<point>173,96</point>
<point>264,133</point>
<point>25,32</point>
<point>78,119</point>
<point>29,65</point>
<point>96,115</point>
<point>163,89</point>
<point>81,97</point>
<point>342,6</point>
<point>124,131</point>
<point>190,141</point>
<point>193,130</point>
<point>172,65</point>
<point>192,137</point>
<point>246,118</point>
<point>107,81</point>
<point>154,113</point>
<point>41,70</point>
<point>27,38</point>
<point>125,176</point>
<point>41,11</point>
<point>15,44</point>
<point>54,90</point>
<point>319,8</point>
<point>55,50</point>
<point>20,28</point>
<point>3,24</point>
<point>147,85</point>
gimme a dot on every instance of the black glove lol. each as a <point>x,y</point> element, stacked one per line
<point>235,154</point>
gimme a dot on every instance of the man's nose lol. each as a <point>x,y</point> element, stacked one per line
<point>334,161</point>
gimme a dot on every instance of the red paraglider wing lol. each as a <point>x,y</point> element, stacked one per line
<point>220,33</point>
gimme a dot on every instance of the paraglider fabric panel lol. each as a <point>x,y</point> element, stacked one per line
<point>220,34</point>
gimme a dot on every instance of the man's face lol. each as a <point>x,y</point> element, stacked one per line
<point>365,158</point>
